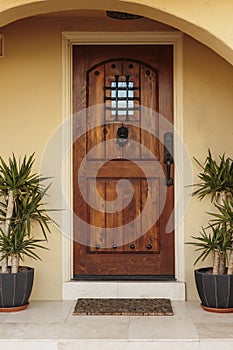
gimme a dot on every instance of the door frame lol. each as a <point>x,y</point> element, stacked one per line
<point>121,38</point>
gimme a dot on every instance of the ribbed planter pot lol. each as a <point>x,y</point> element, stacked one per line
<point>215,291</point>
<point>15,289</point>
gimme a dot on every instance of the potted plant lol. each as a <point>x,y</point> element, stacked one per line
<point>21,195</point>
<point>215,283</point>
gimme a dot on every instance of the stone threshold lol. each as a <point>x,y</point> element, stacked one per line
<point>124,289</point>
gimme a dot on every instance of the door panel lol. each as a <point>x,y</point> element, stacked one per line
<point>119,80</point>
<point>103,241</point>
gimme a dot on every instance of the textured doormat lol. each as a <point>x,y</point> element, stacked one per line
<point>126,307</point>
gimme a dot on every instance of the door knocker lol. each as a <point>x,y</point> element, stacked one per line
<point>122,136</point>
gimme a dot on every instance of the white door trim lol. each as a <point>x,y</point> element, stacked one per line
<point>114,38</point>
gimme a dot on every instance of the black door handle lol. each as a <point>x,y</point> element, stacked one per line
<point>168,157</point>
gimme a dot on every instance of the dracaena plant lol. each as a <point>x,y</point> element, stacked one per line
<point>21,196</point>
<point>217,238</point>
<point>214,240</point>
<point>214,177</point>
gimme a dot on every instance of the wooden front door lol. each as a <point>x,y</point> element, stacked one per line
<point>123,101</point>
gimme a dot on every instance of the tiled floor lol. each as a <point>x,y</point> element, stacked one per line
<point>49,325</point>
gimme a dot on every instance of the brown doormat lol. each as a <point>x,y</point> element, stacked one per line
<point>126,307</point>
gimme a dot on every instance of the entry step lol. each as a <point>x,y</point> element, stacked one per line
<point>115,289</point>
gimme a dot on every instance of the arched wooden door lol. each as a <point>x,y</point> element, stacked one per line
<point>127,92</point>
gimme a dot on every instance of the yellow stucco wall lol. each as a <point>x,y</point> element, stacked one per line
<point>209,21</point>
<point>31,107</point>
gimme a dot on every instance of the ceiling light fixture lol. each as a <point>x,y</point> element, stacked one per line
<point>122,15</point>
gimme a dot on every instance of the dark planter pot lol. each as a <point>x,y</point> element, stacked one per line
<point>215,291</point>
<point>15,289</point>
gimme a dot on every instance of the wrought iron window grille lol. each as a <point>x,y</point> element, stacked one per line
<point>122,97</point>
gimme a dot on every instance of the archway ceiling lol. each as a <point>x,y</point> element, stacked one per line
<point>208,21</point>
